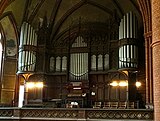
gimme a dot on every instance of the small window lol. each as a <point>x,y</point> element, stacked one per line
<point>93,62</point>
<point>64,63</point>
<point>100,62</point>
<point>58,63</point>
<point>0,56</point>
<point>52,64</point>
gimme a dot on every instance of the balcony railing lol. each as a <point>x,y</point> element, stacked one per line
<point>87,114</point>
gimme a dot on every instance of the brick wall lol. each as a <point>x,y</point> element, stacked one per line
<point>156,56</point>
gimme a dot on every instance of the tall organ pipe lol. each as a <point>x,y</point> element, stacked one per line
<point>128,51</point>
<point>27,49</point>
<point>79,66</point>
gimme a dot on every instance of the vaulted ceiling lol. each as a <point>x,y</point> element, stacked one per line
<point>64,13</point>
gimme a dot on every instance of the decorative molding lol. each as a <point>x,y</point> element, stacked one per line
<point>71,114</point>
<point>148,34</point>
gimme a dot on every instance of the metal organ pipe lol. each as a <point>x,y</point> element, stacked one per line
<point>27,47</point>
<point>131,25</point>
<point>128,58</point>
<point>128,26</point>
<point>78,62</point>
<point>128,53</point>
<point>25,34</point>
<point>124,27</point>
<point>79,66</point>
<point>121,29</point>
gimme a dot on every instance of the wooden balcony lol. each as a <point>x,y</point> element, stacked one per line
<point>72,114</point>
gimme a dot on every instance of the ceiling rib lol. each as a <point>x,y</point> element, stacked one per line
<point>136,6</point>
<point>115,2</point>
<point>54,13</point>
<point>26,11</point>
<point>74,8</point>
<point>100,7</point>
<point>35,11</point>
<point>64,17</point>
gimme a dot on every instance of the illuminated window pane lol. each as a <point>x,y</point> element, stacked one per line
<point>58,63</point>
<point>64,63</point>
<point>0,56</point>
<point>93,62</point>
<point>100,62</point>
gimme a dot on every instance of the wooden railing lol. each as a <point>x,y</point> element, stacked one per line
<point>87,114</point>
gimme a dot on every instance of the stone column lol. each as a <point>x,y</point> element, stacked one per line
<point>145,8</point>
<point>149,78</point>
<point>156,56</point>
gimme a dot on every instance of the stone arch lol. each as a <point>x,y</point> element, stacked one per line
<point>145,8</point>
<point>10,49</point>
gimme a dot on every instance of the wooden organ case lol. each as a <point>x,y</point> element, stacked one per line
<point>80,62</point>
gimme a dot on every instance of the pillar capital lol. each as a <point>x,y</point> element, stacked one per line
<point>148,34</point>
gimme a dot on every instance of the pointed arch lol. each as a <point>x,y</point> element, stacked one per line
<point>9,39</point>
<point>11,34</point>
<point>1,51</point>
<point>145,8</point>
<point>4,4</point>
<point>72,10</point>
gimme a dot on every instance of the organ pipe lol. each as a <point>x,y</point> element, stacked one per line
<point>128,26</point>
<point>131,23</point>
<point>79,66</point>
<point>128,52</point>
<point>27,49</point>
<point>124,26</point>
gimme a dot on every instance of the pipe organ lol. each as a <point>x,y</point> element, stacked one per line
<point>27,49</point>
<point>82,68</point>
<point>128,50</point>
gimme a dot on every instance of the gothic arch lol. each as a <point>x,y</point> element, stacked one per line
<point>145,8</point>
<point>10,46</point>
<point>72,10</point>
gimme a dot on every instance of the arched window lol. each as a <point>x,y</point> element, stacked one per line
<point>52,60</point>
<point>10,36</point>
<point>100,62</point>
<point>0,53</point>
<point>93,62</point>
<point>8,50</point>
<point>58,63</point>
<point>64,63</point>
<point>106,62</point>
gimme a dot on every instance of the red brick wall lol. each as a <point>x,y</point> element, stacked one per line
<point>156,56</point>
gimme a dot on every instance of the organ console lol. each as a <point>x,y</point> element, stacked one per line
<point>77,92</point>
